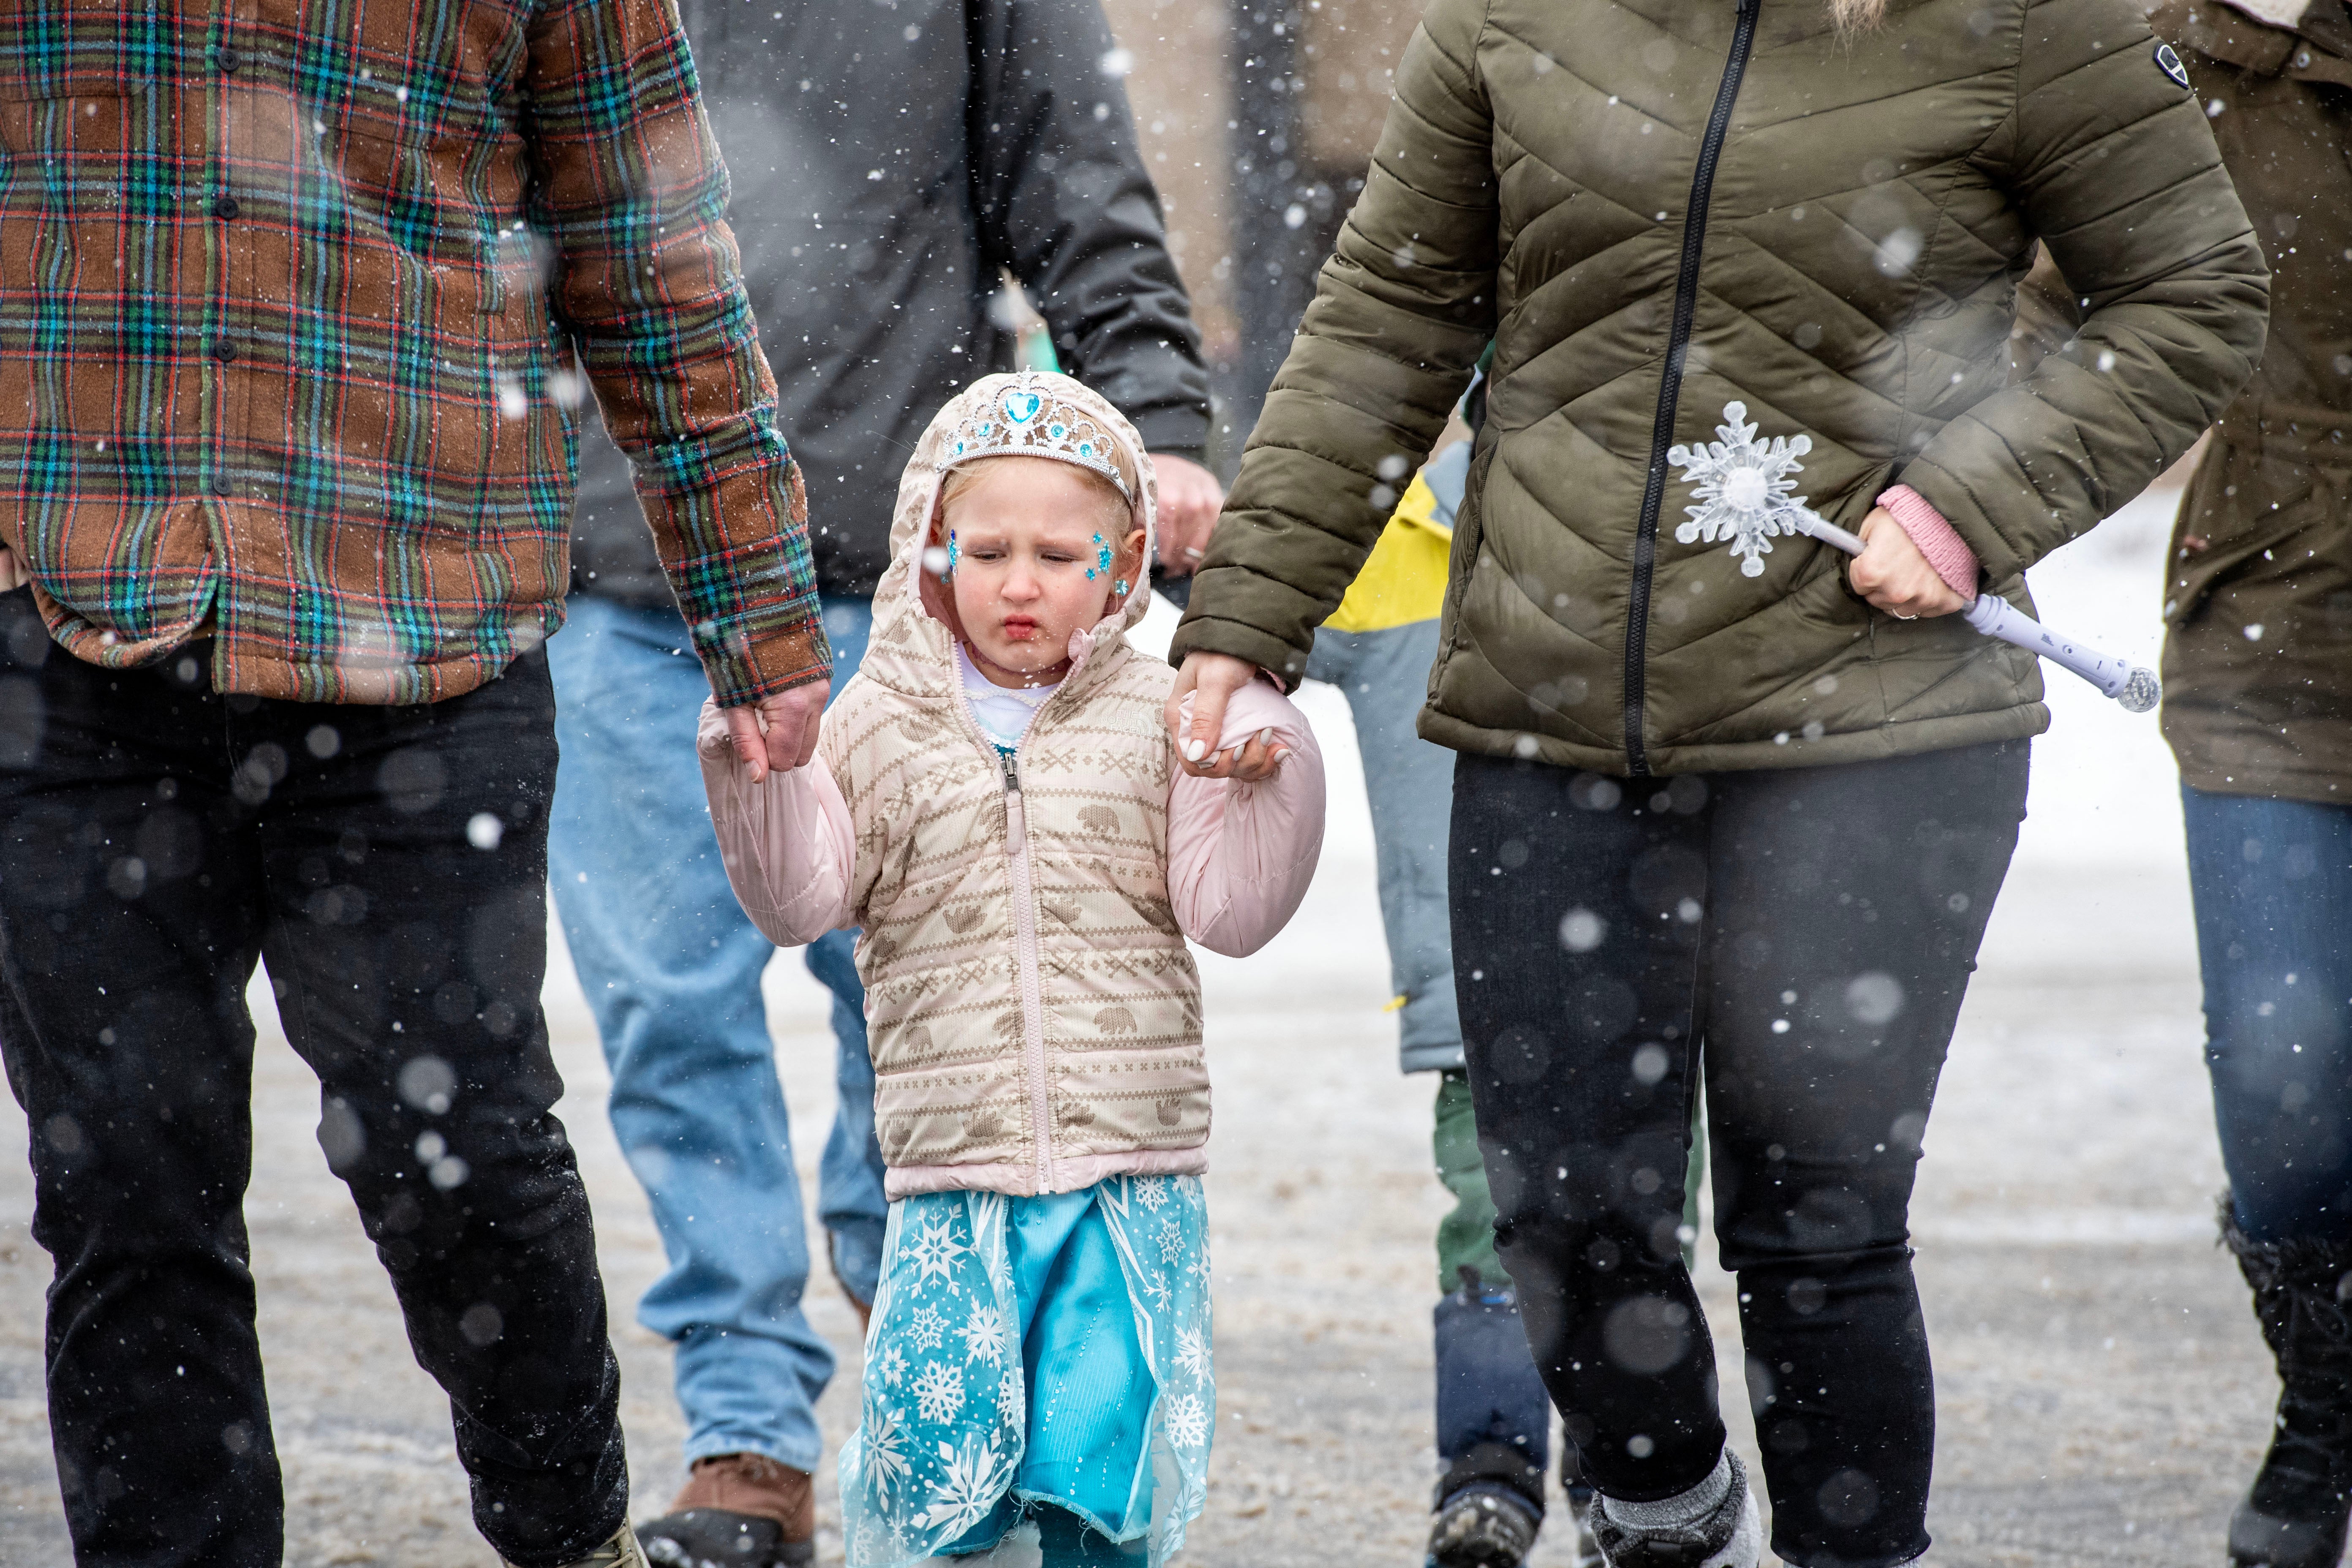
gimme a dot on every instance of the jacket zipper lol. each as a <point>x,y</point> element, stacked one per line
<point>1024,925</point>
<point>1033,998</point>
<point>1669,385</point>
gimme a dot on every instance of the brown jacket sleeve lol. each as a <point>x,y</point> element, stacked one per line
<point>2111,161</point>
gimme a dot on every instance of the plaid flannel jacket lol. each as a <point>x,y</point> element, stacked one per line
<point>289,291</point>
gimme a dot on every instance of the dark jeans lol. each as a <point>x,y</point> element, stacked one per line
<point>389,866</point>
<point>2272,882</point>
<point>1806,935</point>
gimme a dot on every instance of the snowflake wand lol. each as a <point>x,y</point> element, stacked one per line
<point>1742,488</point>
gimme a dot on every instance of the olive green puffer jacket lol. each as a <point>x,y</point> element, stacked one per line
<point>1655,208</point>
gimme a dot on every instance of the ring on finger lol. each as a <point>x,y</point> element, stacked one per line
<point>1192,552</point>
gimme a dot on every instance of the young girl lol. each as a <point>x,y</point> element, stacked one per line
<point>996,804</point>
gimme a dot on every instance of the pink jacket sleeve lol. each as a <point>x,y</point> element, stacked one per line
<point>1240,856</point>
<point>790,850</point>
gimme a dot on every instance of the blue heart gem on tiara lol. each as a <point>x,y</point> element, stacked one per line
<point>1021,406</point>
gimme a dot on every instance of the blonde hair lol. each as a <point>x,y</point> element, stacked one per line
<point>1853,17</point>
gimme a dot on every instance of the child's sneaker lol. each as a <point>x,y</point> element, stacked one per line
<point>1729,1534</point>
<point>1482,1526</point>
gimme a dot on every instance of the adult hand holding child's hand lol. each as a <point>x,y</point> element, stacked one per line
<point>777,734</point>
<point>1210,681</point>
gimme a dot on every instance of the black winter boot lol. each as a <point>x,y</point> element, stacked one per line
<point>2294,1515</point>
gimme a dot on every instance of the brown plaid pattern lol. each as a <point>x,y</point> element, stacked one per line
<point>289,297</point>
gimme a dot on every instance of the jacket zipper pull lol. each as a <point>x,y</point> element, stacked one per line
<point>1012,773</point>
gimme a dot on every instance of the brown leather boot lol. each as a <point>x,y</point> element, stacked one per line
<point>742,1509</point>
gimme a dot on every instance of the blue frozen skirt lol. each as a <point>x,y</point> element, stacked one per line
<point>1025,1350</point>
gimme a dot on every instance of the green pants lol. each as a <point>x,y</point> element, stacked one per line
<point>1465,1238</point>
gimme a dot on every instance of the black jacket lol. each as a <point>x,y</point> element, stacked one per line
<point>887,158</point>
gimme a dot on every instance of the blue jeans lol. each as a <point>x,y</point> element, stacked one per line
<point>2272,884</point>
<point>671,967</point>
<point>1385,675</point>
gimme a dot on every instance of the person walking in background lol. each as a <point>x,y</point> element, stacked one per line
<point>890,166</point>
<point>1493,1421</point>
<point>2258,709</point>
<point>997,803</point>
<point>287,406</point>
<point>1721,797</point>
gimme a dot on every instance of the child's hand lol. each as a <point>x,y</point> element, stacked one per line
<point>1253,762</point>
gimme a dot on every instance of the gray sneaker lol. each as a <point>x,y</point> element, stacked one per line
<point>1732,1536</point>
<point>621,1552</point>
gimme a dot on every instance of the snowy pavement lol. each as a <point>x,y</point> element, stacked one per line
<point>2103,1390</point>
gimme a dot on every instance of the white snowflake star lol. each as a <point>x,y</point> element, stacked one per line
<point>885,1458</point>
<point>1742,488</point>
<point>972,1481</point>
<point>1170,1237</point>
<point>1192,1352</point>
<point>1151,1192</point>
<point>1156,1286</point>
<point>983,1335</point>
<point>1008,1396</point>
<point>1188,1421</point>
<point>892,1367</point>
<point>934,1251</point>
<point>939,1391</point>
<point>926,1328</point>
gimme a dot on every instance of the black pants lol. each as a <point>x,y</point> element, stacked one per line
<point>389,866</point>
<point>1807,934</point>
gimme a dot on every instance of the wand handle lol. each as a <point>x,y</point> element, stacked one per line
<point>2133,685</point>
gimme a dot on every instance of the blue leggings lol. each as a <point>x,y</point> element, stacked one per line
<point>2272,882</point>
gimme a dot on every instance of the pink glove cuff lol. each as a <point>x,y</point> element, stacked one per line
<point>1946,551</point>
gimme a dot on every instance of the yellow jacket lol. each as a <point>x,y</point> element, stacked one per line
<point>1403,579</point>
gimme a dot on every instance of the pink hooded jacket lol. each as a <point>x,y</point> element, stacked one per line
<point>1032,1010</point>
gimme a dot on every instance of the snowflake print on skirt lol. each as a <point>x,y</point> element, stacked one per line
<point>1034,1350</point>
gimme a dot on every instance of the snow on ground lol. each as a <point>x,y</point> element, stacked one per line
<point>2103,1391</point>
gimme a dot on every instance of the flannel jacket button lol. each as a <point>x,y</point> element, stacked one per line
<point>227,60</point>
<point>224,349</point>
<point>222,485</point>
<point>226,207</point>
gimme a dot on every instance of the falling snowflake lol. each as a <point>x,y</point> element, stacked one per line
<point>892,1367</point>
<point>886,1459</point>
<point>1192,1352</point>
<point>1151,1192</point>
<point>926,1329</point>
<point>939,1391</point>
<point>972,1481</point>
<point>1170,1237</point>
<point>983,1335</point>
<point>1008,1396</point>
<point>934,1252</point>
<point>1188,1421</point>
<point>1743,489</point>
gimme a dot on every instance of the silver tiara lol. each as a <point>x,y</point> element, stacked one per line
<point>1031,418</point>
